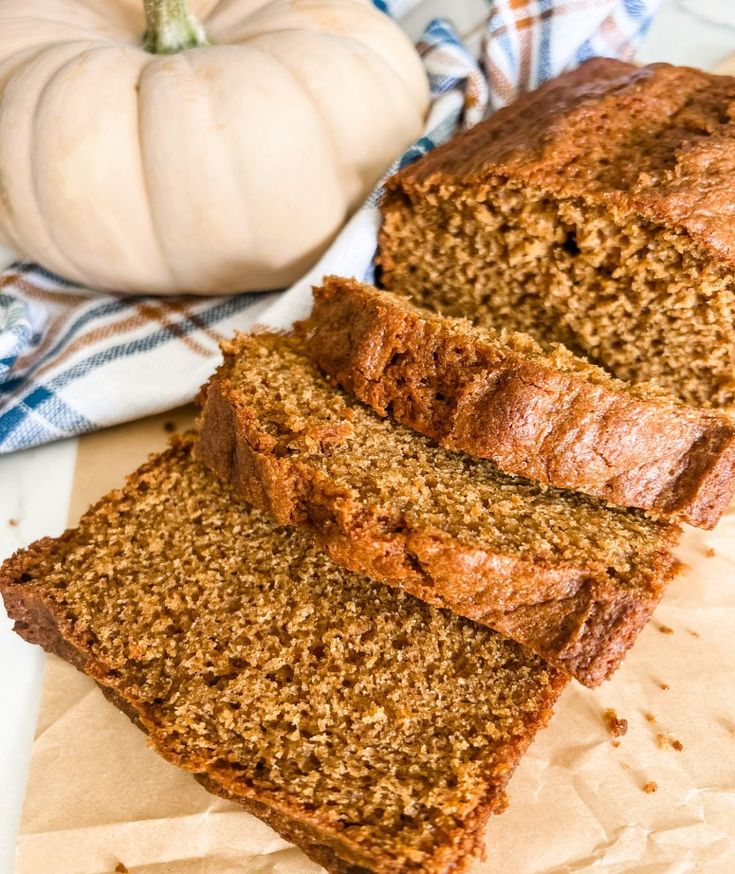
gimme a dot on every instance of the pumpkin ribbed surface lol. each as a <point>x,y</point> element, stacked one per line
<point>223,168</point>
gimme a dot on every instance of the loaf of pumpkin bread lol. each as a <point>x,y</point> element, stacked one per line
<point>547,415</point>
<point>372,730</point>
<point>597,212</point>
<point>564,574</point>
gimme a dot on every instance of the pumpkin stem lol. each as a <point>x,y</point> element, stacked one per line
<point>171,27</point>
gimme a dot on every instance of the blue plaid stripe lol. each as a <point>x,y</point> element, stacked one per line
<point>451,68</point>
<point>40,412</point>
<point>150,342</point>
<point>637,10</point>
<point>545,64</point>
<point>92,316</point>
<point>36,270</point>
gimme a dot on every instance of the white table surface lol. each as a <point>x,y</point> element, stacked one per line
<point>35,485</point>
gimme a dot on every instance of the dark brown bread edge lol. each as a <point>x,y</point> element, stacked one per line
<point>521,127</point>
<point>579,619</point>
<point>528,418</point>
<point>36,622</point>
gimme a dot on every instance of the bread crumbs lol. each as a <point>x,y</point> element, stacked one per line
<point>13,523</point>
<point>169,427</point>
<point>664,629</point>
<point>616,726</point>
<point>710,552</point>
<point>650,787</point>
<point>665,741</point>
<point>120,868</point>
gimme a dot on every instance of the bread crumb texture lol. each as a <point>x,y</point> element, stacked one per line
<point>594,212</point>
<point>416,483</point>
<point>548,416</point>
<point>351,716</point>
<point>565,574</point>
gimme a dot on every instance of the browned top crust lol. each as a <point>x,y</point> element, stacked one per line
<point>546,415</point>
<point>657,140</point>
<point>562,573</point>
<point>373,731</point>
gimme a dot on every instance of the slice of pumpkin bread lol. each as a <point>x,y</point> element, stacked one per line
<point>547,415</point>
<point>596,211</point>
<point>562,573</point>
<point>372,730</point>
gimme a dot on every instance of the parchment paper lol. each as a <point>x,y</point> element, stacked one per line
<point>98,796</point>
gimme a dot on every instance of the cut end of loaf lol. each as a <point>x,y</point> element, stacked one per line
<point>594,212</point>
<point>628,294</point>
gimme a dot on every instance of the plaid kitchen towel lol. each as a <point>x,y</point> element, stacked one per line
<point>73,359</point>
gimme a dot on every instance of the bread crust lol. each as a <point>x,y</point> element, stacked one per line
<point>578,618</point>
<point>450,381</point>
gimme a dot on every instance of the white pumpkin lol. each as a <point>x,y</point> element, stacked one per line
<point>221,168</point>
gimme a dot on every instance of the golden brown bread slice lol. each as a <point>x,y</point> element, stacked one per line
<point>372,730</point>
<point>547,415</point>
<point>564,574</point>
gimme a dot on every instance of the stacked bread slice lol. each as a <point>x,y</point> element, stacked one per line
<point>564,574</point>
<point>375,732</point>
<point>353,597</point>
<point>540,413</point>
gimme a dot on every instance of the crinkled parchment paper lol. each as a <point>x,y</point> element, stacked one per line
<point>99,800</point>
